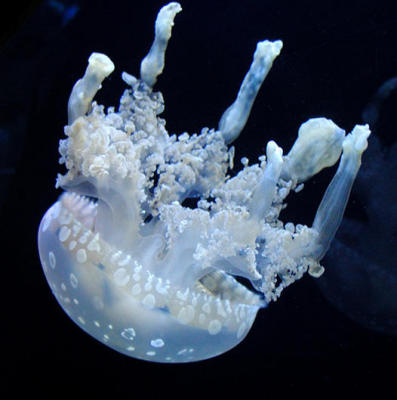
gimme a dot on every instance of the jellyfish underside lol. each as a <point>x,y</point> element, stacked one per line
<point>149,277</point>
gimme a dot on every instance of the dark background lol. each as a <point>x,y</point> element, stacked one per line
<point>336,54</point>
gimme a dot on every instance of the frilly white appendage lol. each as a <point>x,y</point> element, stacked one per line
<point>235,117</point>
<point>265,190</point>
<point>99,67</point>
<point>330,212</point>
<point>153,64</point>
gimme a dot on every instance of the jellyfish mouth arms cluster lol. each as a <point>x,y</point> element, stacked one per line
<point>138,269</point>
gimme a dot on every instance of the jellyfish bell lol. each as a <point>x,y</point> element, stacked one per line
<point>114,298</point>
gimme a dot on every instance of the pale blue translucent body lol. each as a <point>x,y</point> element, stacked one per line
<point>151,278</point>
<point>139,331</point>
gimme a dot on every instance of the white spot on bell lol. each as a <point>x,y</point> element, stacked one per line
<point>128,333</point>
<point>157,342</point>
<point>64,234</point>
<point>73,281</point>
<point>186,314</point>
<point>149,300</point>
<point>136,289</point>
<point>121,277</point>
<point>214,327</point>
<point>51,257</point>
<point>81,256</point>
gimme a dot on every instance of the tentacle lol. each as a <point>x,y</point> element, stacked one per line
<point>235,117</point>
<point>331,209</point>
<point>99,67</point>
<point>265,190</point>
<point>153,64</point>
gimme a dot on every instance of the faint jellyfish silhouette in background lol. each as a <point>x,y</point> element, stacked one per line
<point>361,279</point>
<point>66,10</point>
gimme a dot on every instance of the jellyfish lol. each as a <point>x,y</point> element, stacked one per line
<point>150,277</point>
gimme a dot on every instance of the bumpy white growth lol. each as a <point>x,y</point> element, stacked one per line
<point>319,145</point>
<point>179,261</point>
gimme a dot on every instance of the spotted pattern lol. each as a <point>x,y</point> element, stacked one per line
<point>199,308</point>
